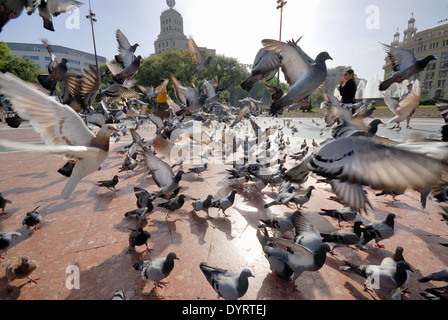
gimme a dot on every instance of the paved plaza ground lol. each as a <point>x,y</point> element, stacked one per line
<point>89,233</point>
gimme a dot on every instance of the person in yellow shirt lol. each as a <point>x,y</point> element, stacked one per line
<point>161,100</point>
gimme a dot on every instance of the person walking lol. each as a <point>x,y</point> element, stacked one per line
<point>408,119</point>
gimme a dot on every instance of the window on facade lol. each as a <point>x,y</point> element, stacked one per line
<point>441,83</point>
<point>443,64</point>
<point>429,75</point>
<point>31,57</point>
<point>431,66</point>
<point>444,55</point>
<point>439,93</point>
<point>443,74</point>
<point>429,84</point>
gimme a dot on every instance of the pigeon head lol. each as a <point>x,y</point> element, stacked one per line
<point>182,196</point>
<point>323,56</point>
<point>404,265</point>
<point>247,273</point>
<point>64,61</point>
<point>172,256</point>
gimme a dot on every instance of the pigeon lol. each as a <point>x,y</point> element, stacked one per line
<point>109,184</point>
<point>344,214</point>
<point>229,285</point>
<point>6,240</point>
<point>385,278</point>
<point>32,219</point>
<point>282,224</point>
<point>436,276</point>
<point>119,295</point>
<point>131,67</point>
<point>278,266</point>
<point>301,200</point>
<point>158,269</point>
<point>3,202</point>
<point>306,233</point>
<point>12,9</point>
<point>67,169</point>
<point>302,73</point>
<point>284,196</point>
<point>139,237</point>
<point>162,174</point>
<point>298,257</point>
<point>404,64</point>
<point>402,109</point>
<point>198,57</point>
<point>56,71</point>
<point>347,236</point>
<point>225,203</point>
<point>199,169</point>
<point>436,293</point>
<point>52,8</point>
<point>143,211</point>
<point>20,269</point>
<point>378,230</point>
<point>61,128</point>
<point>265,67</point>
<point>203,204</point>
<point>392,262</point>
<point>173,205</point>
<point>125,49</point>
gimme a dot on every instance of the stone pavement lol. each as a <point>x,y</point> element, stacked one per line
<point>89,233</point>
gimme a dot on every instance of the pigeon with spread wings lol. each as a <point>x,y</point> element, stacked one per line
<point>63,131</point>
<point>198,57</point>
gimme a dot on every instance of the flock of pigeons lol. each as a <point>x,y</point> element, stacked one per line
<point>352,159</point>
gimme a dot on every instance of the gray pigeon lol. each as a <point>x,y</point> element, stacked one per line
<point>199,169</point>
<point>266,65</point>
<point>347,236</point>
<point>56,71</point>
<point>52,8</point>
<point>229,285</point>
<point>302,73</point>
<point>119,74</point>
<point>125,49</point>
<point>298,257</point>
<point>190,97</point>
<point>282,224</point>
<point>306,233</point>
<point>436,276</point>
<point>225,203</point>
<point>377,230</point>
<point>6,240</point>
<point>3,202</point>
<point>344,214</point>
<point>32,219</point>
<point>387,279</point>
<point>404,64</point>
<point>278,266</point>
<point>198,57</point>
<point>203,204</point>
<point>158,269</point>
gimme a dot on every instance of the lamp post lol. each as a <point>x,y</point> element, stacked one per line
<point>92,18</point>
<point>280,5</point>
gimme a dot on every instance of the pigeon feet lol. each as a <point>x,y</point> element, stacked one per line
<point>160,284</point>
<point>31,280</point>
<point>380,246</point>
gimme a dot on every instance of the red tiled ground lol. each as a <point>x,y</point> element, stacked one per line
<point>90,231</point>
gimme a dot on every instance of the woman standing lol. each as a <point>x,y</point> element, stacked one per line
<point>347,87</point>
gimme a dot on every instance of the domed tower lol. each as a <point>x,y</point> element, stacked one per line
<point>409,33</point>
<point>396,41</point>
<point>171,30</point>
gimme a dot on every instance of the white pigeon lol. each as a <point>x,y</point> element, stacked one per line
<point>62,129</point>
<point>402,109</point>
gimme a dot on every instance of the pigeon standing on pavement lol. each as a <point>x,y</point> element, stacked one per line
<point>347,236</point>
<point>173,205</point>
<point>63,131</point>
<point>404,64</point>
<point>139,237</point>
<point>225,203</point>
<point>344,214</point>
<point>20,269</point>
<point>441,275</point>
<point>109,184</point>
<point>229,285</point>
<point>203,204</point>
<point>6,240</point>
<point>282,224</point>
<point>385,278</point>
<point>392,262</point>
<point>378,230</point>
<point>158,269</point>
<point>32,219</point>
<point>199,169</point>
<point>3,202</point>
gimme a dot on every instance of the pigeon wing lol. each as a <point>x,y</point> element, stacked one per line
<point>160,170</point>
<point>400,58</point>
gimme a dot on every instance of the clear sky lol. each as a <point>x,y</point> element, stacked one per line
<point>350,30</point>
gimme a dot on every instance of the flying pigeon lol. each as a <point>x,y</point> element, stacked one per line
<point>52,8</point>
<point>162,173</point>
<point>6,240</point>
<point>385,278</point>
<point>190,97</point>
<point>32,219</point>
<point>61,128</point>
<point>378,230</point>
<point>56,71</point>
<point>158,269</point>
<point>302,73</point>
<point>109,184</point>
<point>404,64</point>
<point>198,57</point>
<point>119,74</point>
<point>402,109</point>
<point>203,204</point>
<point>265,67</point>
<point>225,203</point>
<point>125,49</point>
<point>228,284</point>
<point>3,202</point>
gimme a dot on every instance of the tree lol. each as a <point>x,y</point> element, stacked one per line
<point>25,69</point>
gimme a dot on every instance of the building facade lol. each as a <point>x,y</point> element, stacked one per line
<point>433,79</point>
<point>78,60</point>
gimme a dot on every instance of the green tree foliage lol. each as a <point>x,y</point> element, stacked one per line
<point>25,69</point>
